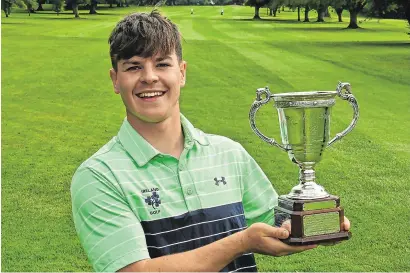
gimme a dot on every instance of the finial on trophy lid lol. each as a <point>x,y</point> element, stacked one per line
<point>304,119</point>
<point>263,91</point>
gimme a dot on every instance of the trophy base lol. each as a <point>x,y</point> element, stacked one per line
<point>319,239</point>
<point>313,221</point>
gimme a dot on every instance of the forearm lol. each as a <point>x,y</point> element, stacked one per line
<point>209,258</point>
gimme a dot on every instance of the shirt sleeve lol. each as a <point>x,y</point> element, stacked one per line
<point>109,231</point>
<point>258,196</point>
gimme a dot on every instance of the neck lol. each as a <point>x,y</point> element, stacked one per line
<point>165,136</point>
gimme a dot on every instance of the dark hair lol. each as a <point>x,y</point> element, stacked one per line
<point>144,35</point>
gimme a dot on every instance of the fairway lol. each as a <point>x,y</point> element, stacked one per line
<point>58,108</point>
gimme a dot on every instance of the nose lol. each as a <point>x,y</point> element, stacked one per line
<point>149,75</point>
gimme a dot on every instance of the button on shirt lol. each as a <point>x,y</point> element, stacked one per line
<point>130,202</point>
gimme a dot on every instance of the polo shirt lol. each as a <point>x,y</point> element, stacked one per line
<point>130,202</point>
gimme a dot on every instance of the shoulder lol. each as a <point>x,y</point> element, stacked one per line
<point>111,151</point>
<point>217,140</point>
<point>98,167</point>
<point>224,144</point>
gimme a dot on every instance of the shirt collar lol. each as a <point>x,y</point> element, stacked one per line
<point>193,134</point>
<point>142,151</point>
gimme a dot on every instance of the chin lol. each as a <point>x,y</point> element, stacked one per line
<point>153,117</point>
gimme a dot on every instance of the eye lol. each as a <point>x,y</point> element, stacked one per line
<point>163,65</point>
<point>133,68</point>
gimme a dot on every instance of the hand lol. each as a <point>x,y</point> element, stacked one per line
<point>264,239</point>
<point>346,224</point>
<point>345,227</point>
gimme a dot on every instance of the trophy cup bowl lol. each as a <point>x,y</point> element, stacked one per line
<point>304,119</point>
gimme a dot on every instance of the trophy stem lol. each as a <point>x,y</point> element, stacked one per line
<point>307,188</point>
<point>307,176</point>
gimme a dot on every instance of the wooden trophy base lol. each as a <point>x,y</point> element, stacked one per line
<point>316,221</point>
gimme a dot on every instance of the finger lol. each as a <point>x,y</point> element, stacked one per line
<point>346,224</point>
<point>330,243</point>
<point>296,249</point>
<point>287,225</point>
<point>279,233</point>
<point>303,248</point>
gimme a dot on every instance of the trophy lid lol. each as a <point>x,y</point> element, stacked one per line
<point>305,99</point>
<point>310,95</point>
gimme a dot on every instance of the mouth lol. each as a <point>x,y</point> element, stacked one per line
<point>150,95</point>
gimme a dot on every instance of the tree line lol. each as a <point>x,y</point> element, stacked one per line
<point>370,8</point>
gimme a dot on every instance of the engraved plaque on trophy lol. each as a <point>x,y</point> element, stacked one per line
<point>304,118</point>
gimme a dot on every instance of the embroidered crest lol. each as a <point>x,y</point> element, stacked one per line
<point>222,180</point>
<point>153,200</point>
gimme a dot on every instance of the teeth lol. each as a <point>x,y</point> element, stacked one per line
<point>151,94</point>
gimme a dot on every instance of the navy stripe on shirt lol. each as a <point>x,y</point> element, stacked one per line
<point>195,229</point>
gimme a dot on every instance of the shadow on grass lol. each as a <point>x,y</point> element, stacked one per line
<point>281,21</point>
<point>68,13</point>
<point>113,8</point>
<point>309,28</point>
<point>364,44</point>
<point>264,20</point>
<point>352,67</point>
<point>332,27</point>
<point>4,22</point>
<point>383,44</point>
<point>104,13</point>
<point>63,18</point>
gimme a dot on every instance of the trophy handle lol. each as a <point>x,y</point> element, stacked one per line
<point>255,107</point>
<point>352,100</point>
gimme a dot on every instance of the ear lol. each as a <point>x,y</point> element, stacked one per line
<point>182,69</point>
<point>113,76</point>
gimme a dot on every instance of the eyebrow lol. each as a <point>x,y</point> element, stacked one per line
<point>134,62</point>
<point>130,62</point>
<point>162,58</point>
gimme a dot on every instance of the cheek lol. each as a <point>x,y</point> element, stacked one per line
<point>126,86</point>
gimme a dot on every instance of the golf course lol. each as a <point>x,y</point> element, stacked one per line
<point>58,108</point>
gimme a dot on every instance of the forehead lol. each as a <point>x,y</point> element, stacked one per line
<point>157,57</point>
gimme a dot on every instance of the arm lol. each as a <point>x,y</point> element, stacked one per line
<point>110,233</point>
<point>259,238</point>
<point>258,195</point>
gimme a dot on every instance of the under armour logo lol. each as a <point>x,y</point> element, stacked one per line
<point>217,181</point>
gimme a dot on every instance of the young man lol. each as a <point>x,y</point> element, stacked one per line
<point>162,195</point>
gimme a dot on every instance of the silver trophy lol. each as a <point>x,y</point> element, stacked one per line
<point>304,119</point>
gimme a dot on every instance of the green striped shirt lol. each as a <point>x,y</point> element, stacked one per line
<point>131,202</point>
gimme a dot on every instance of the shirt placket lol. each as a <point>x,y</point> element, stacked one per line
<point>187,184</point>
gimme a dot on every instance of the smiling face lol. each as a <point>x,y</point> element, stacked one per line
<point>150,87</point>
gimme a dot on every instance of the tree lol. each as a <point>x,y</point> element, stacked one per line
<point>338,5</point>
<point>297,5</point>
<point>354,7</point>
<point>40,5</point>
<point>390,9</point>
<point>307,9</point>
<point>73,5</point>
<point>29,5</point>
<point>273,6</point>
<point>58,6</point>
<point>321,7</point>
<point>93,6</point>
<point>257,4</point>
<point>6,5</point>
<point>406,7</point>
<point>383,8</point>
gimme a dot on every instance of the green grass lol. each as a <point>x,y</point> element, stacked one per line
<point>58,108</point>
